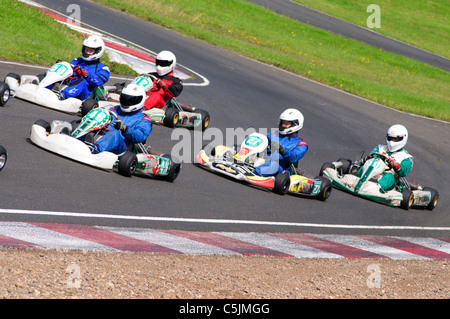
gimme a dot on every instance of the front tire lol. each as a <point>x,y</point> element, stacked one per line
<point>206,118</point>
<point>171,117</point>
<point>174,169</point>
<point>127,164</point>
<point>3,157</point>
<point>88,105</point>
<point>325,188</point>
<point>5,93</point>
<point>282,183</point>
<point>408,199</point>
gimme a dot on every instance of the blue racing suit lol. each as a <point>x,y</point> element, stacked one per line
<point>294,149</point>
<point>138,128</point>
<point>81,88</point>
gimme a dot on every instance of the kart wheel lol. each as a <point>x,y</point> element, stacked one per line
<point>346,164</point>
<point>174,170</point>
<point>434,197</point>
<point>408,199</point>
<point>325,188</point>
<point>44,124</point>
<point>205,118</point>
<point>3,157</point>
<point>171,117</point>
<point>88,105</point>
<point>282,183</point>
<point>127,164</point>
<point>324,167</point>
<point>5,93</point>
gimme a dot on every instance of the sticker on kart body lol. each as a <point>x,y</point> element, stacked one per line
<point>253,141</point>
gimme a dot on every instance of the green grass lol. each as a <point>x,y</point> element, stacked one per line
<point>352,66</point>
<point>424,24</point>
<point>29,35</point>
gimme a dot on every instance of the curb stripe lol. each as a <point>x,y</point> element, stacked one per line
<point>244,248</point>
<point>326,245</point>
<point>408,247</point>
<point>6,241</point>
<point>107,238</point>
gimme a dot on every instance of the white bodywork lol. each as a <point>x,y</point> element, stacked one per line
<point>72,148</point>
<point>30,89</point>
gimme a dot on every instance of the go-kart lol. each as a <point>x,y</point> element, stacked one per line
<point>65,138</point>
<point>174,113</point>
<point>241,166</point>
<point>44,89</point>
<point>343,175</point>
<point>3,157</point>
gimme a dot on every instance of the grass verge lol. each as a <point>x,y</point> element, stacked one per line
<point>30,36</point>
<point>250,30</point>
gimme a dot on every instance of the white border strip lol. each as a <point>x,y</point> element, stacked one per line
<point>213,221</point>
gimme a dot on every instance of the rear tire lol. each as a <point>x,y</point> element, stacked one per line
<point>434,197</point>
<point>325,188</point>
<point>282,183</point>
<point>408,199</point>
<point>127,164</point>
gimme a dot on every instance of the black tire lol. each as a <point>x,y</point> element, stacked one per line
<point>171,117</point>
<point>282,183</point>
<point>88,105</point>
<point>44,124</point>
<point>346,165</point>
<point>434,197</point>
<point>324,167</point>
<point>3,157</point>
<point>127,164</point>
<point>5,93</point>
<point>325,188</point>
<point>119,87</point>
<point>174,169</point>
<point>206,118</point>
<point>408,199</point>
<point>15,76</point>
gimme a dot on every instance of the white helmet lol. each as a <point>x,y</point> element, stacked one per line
<point>165,62</point>
<point>132,98</point>
<point>396,137</point>
<point>295,117</point>
<point>94,42</point>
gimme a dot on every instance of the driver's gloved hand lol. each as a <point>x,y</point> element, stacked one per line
<point>119,125</point>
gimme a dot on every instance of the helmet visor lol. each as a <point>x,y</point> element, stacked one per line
<point>127,100</point>
<point>394,138</point>
<point>163,63</point>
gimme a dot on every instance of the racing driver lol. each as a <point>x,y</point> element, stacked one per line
<point>286,147</point>
<point>132,125</point>
<point>88,71</point>
<point>166,85</point>
<point>400,161</point>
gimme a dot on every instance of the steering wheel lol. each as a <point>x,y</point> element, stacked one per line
<point>383,157</point>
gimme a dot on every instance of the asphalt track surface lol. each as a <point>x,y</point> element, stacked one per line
<point>242,93</point>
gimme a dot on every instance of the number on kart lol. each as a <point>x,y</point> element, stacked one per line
<point>59,69</point>
<point>253,141</point>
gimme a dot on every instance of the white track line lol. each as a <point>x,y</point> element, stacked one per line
<point>213,221</point>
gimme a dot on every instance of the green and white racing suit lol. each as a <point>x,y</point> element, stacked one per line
<point>389,178</point>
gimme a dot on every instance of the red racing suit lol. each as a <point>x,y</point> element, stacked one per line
<point>159,94</point>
